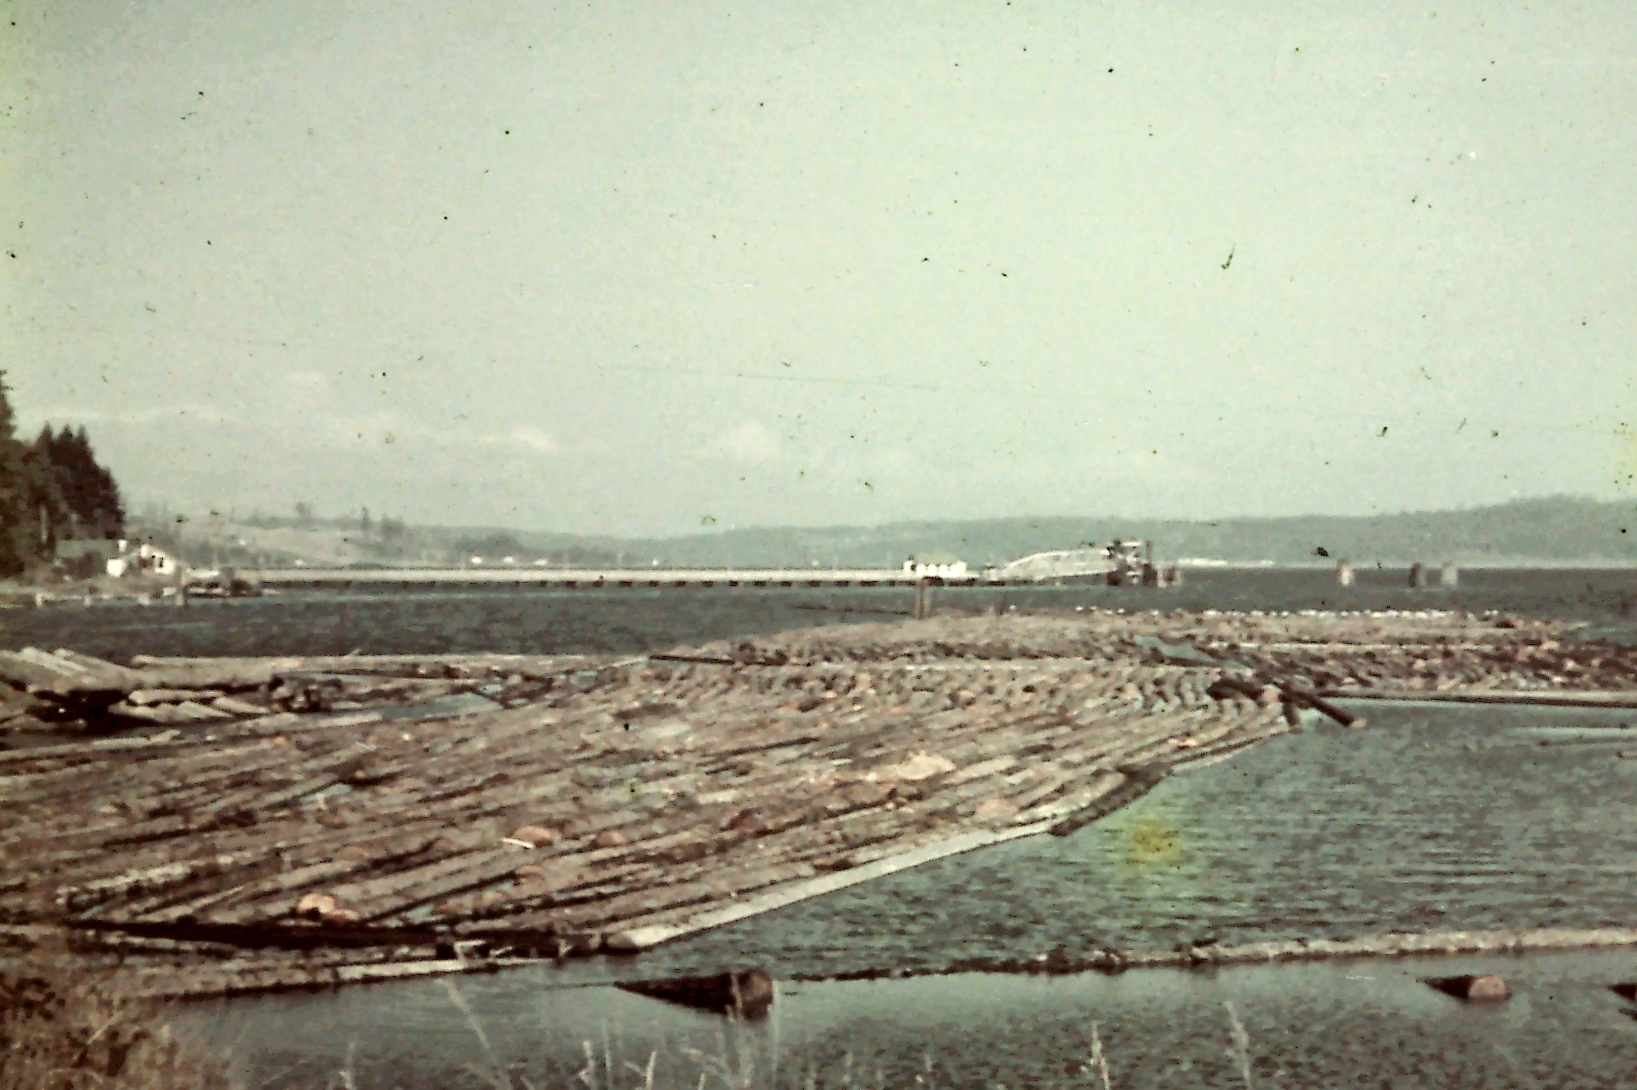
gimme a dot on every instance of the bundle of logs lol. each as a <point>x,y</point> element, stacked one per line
<point>594,805</point>
<point>65,690</point>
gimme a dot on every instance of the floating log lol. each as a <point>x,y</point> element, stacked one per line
<point>143,697</point>
<point>1537,697</point>
<point>745,994</point>
<point>1101,958</point>
<point>1485,988</point>
<point>1309,699</point>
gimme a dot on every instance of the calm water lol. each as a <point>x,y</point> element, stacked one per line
<point>1355,1024</point>
<point>543,621</point>
<point>1433,818</point>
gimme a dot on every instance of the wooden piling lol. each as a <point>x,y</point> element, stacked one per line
<point>1344,572</point>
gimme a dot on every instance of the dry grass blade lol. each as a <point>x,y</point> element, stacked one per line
<point>491,1071</point>
<point>1239,1053</point>
<point>1098,1062</point>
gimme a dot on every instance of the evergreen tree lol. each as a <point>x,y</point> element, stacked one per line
<point>50,489</point>
<point>86,501</point>
<point>18,528</point>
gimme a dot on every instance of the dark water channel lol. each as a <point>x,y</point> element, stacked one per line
<point>1434,818</point>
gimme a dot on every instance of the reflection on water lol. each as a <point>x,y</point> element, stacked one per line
<point>1361,1024</point>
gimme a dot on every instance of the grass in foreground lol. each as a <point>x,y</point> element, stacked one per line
<point>62,1029</point>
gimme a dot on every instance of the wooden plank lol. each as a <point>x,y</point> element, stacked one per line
<point>45,675</point>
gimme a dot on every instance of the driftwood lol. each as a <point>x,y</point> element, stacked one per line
<point>65,686</point>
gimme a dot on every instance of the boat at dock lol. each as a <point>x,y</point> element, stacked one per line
<point>1121,563</point>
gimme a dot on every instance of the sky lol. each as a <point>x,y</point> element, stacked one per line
<point>653,268</point>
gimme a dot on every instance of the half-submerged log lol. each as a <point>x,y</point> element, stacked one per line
<point>1483,988</point>
<point>747,994</point>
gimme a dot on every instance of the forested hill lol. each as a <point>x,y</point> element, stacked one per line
<point>1552,531</point>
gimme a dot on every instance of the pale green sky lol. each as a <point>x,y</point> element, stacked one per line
<point>629,268</point>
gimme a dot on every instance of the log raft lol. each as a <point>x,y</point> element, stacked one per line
<point>337,831</point>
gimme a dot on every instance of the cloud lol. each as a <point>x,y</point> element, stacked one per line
<point>389,428</point>
<point>750,443</point>
<point>308,380</point>
<point>530,439</point>
<point>188,412</point>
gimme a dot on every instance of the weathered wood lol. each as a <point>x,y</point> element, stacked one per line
<point>57,680</point>
<point>143,697</point>
<point>1525,698</point>
<point>88,750</point>
<point>124,675</point>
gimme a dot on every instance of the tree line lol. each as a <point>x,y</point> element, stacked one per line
<point>51,489</point>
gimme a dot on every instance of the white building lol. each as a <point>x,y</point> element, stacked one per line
<point>143,558</point>
<point>956,570</point>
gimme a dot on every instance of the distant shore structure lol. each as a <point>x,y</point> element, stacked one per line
<point>957,570</point>
<point>1126,563</point>
<point>1058,564</point>
<point>132,556</point>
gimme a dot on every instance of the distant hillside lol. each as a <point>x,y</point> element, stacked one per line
<point>216,541</point>
<point>1547,530</point>
<point>1557,530</point>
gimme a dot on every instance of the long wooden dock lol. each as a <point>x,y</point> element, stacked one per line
<point>574,806</point>
<point>578,578</point>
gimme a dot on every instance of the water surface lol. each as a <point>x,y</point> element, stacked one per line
<point>535,620</point>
